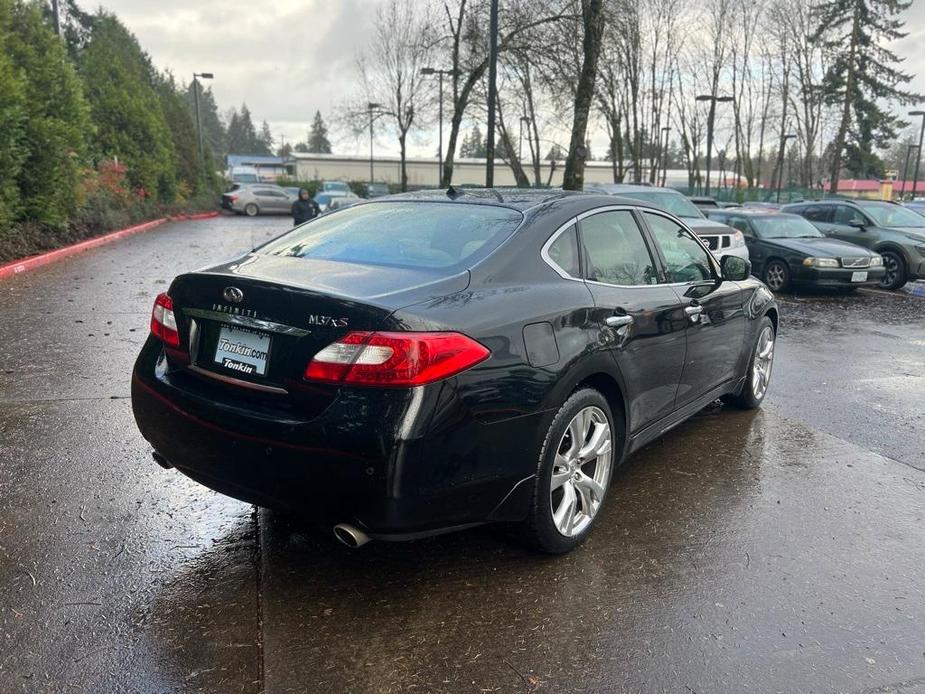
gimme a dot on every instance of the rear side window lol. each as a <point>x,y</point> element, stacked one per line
<point>563,252</point>
<point>402,234</point>
<point>615,251</point>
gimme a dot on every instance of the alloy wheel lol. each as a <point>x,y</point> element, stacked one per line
<point>581,471</point>
<point>891,267</point>
<point>764,360</point>
<point>776,276</point>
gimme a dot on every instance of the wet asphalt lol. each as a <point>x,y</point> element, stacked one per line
<point>781,550</point>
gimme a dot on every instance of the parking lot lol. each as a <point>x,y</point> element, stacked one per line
<point>774,550</point>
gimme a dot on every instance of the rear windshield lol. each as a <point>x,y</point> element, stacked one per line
<point>667,201</point>
<point>405,234</point>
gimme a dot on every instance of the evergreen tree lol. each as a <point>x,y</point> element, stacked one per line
<point>473,145</point>
<point>301,147</point>
<point>213,130</point>
<point>265,139</point>
<point>555,153</point>
<point>52,141</point>
<point>863,75</point>
<point>12,129</point>
<point>130,123</point>
<point>242,136</point>
<point>318,136</point>
<point>189,168</point>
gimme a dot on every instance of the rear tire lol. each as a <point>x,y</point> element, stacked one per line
<point>777,276</point>
<point>758,375</point>
<point>895,275</point>
<point>582,448</point>
<point>251,210</point>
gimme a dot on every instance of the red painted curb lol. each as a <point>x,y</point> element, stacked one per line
<point>20,266</point>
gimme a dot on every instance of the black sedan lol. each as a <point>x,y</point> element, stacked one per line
<point>787,251</point>
<point>433,361</point>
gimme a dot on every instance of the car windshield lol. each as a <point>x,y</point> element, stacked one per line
<point>885,214</point>
<point>667,201</point>
<point>402,234</point>
<point>336,186</point>
<point>784,226</point>
<point>323,198</point>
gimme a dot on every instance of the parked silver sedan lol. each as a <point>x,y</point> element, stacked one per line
<point>258,199</point>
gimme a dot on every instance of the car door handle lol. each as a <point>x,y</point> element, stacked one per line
<point>619,321</point>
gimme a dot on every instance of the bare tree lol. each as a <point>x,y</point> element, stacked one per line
<point>390,70</point>
<point>593,26</point>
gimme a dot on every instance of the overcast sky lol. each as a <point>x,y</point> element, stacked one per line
<point>289,58</point>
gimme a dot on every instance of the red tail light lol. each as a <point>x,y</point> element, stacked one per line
<point>164,322</point>
<point>395,359</point>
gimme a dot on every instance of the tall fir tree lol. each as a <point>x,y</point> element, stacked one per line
<point>265,139</point>
<point>52,142</point>
<point>318,141</point>
<point>13,109</point>
<point>121,86</point>
<point>242,135</point>
<point>862,76</point>
<point>473,145</point>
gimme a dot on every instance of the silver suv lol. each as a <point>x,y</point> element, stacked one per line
<point>258,198</point>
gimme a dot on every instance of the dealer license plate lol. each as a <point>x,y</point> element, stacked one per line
<point>858,276</point>
<point>243,350</point>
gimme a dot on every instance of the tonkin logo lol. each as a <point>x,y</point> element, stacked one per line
<point>233,294</point>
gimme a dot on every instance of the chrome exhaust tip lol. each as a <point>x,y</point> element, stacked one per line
<point>350,535</point>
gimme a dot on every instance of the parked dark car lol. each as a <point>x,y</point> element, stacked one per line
<point>720,238</point>
<point>787,251</point>
<point>889,229</point>
<point>705,203</point>
<point>439,360</point>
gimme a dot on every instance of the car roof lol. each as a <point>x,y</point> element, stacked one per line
<point>611,188</point>
<point>517,198</point>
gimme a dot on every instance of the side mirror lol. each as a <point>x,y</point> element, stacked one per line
<point>735,268</point>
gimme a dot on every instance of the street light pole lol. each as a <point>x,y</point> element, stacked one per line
<point>909,149</point>
<point>665,130</point>
<point>918,158</point>
<point>370,106</point>
<point>780,162</point>
<point>711,117</point>
<point>492,94</point>
<point>205,76</point>
<point>441,73</point>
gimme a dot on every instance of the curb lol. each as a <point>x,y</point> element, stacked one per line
<point>19,266</point>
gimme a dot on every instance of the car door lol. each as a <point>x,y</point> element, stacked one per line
<point>849,224</point>
<point>757,253</point>
<point>641,320</point>
<point>715,316</point>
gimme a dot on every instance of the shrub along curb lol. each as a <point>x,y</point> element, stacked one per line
<point>19,266</point>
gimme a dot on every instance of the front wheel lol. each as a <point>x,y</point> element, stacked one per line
<point>894,276</point>
<point>758,376</point>
<point>251,209</point>
<point>574,470</point>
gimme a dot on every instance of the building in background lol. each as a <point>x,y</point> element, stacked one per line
<point>257,168</point>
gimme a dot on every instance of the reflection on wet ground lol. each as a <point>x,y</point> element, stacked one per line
<point>758,551</point>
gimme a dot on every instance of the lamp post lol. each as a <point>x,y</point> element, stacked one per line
<point>665,130</point>
<point>371,107</point>
<point>918,158</point>
<point>711,118</point>
<point>492,94</point>
<point>909,149</point>
<point>780,162</point>
<point>205,76</point>
<point>441,73</point>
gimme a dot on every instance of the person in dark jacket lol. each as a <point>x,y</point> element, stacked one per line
<point>304,208</point>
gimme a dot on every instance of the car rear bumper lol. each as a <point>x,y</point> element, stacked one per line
<point>369,465</point>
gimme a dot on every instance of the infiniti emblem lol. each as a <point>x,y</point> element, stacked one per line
<point>233,295</point>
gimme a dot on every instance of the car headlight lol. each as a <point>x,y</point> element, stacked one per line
<point>738,239</point>
<point>920,249</point>
<point>820,262</point>
<point>876,261</point>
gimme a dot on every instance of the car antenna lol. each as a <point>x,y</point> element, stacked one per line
<point>453,193</point>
